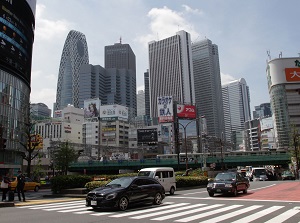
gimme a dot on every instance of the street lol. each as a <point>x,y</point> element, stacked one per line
<point>266,201</point>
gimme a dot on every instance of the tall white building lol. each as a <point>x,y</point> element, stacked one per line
<point>207,79</point>
<point>236,104</point>
<point>171,70</point>
<point>140,99</point>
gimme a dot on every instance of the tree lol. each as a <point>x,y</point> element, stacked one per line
<point>64,156</point>
<point>296,151</point>
<point>29,143</point>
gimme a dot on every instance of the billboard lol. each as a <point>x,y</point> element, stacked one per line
<point>113,112</point>
<point>92,108</point>
<point>165,109</point>
<point>266,123</point>
<point>186,111</point>
<point>147,135</point>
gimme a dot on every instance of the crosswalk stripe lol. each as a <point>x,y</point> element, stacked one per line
<point>187,212</point>
<point>232,214</point>
<point>258,215</point>
<point>78,209</point>
<point>148,210</point>
<point>167,211</point>
<point>195,217</point>
<point>84,212</point>
<point>102,213</point>
<point>51,204</point>
<point>62,208</point>
<point>284,216</point>
<point>56,206</point>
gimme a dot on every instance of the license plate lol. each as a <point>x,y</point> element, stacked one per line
<point>93,203</point>
<point>218,190</point>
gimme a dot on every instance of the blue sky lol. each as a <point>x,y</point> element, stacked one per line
<point>243,30</point>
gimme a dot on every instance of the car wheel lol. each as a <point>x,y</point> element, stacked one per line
<point>123,203</point>
<point>235,192</point>
<point>172,190</point>
<point>211,194</point>
<point>36,189</point>
<point>157,199</point>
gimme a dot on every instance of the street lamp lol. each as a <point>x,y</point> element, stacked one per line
<point>184,128</point>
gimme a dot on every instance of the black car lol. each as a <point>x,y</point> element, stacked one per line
<point>229,182</point>
<point>123,191</point>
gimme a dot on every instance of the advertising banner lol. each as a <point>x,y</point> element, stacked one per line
<point>165,109</point>
<point>292,74</point>
<point>186,111</point>
<point>113,112</point>
<point>146,135</point>
<point>266,123</point>
<point>92,108</point>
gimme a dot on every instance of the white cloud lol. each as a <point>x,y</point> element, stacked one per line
<point>49,29</point>
<point>226,78</point>
<point>191,10</point>
<point>164,23</point>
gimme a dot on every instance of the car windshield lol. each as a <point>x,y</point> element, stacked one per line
<point>120,182</point>
<point>146,173</point>
<point>225,176</point>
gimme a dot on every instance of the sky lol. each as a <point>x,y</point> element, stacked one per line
<point>243,30</point>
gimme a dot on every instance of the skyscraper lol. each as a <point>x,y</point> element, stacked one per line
<point>119,56</point>
<point>262,110</point>
<point>207,80</point>
<point>74,55</point>
<point>147,97</point>
<point>236,103</point>
<point>171,70</point>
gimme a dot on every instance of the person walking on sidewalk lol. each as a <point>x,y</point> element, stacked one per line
<point>5,186</point>
<point>20,185</point>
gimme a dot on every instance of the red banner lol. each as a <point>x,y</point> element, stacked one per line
<point>186,111</point>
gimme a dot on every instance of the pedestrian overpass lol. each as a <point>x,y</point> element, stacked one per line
<point>216,162</point>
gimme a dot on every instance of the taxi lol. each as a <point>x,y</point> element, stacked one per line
<point>29,184</point>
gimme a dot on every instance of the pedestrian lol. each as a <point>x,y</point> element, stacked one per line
<point>5,184</point>
<point>20,185</point>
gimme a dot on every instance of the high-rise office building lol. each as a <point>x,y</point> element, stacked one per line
<point>111,86</point>
<point>262,110</point>
<point>147,97</point>
<point>171,70</point>
<point>17,36</point>
<point>236,104</point>
<point>74,55</point>
<point>283,75</point>
<point>208,90</point>
<point>119,56</point>
<point>140,98</point>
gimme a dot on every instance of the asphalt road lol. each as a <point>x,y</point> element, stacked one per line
<point>274,201</point>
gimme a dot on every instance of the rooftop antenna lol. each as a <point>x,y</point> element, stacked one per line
<point>268,53</point>
<point>280,55</point>
<point>121,39</point>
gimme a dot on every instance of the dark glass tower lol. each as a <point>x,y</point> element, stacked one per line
<point>74,55</point>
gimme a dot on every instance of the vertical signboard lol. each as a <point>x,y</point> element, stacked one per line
<point>165,109</point>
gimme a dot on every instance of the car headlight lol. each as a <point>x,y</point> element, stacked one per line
<point>111,196</point>
<point>210,185</point>
<point>228,185</point>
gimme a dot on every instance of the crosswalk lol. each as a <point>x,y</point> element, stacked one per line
<point>185,212</point>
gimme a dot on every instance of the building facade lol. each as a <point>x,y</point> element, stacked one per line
<point>283,76</point>
<point>74,55</point>
<point>18,25</point>
<point>207,80</point>
<point>39,111</point>
<point>236,105</point>
<point>111,86</point>
<point>262,110</point>
<point>171,70</point>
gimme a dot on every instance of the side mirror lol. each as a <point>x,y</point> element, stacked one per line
<point>134,186</point>
<point>156,177</point>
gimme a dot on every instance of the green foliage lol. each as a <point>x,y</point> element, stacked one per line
<point>64,156</point>
<point>68,181</point>
<point>191,181</point>
<point>95,184</point>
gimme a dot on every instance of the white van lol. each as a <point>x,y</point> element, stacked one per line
<point>165,175</point>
